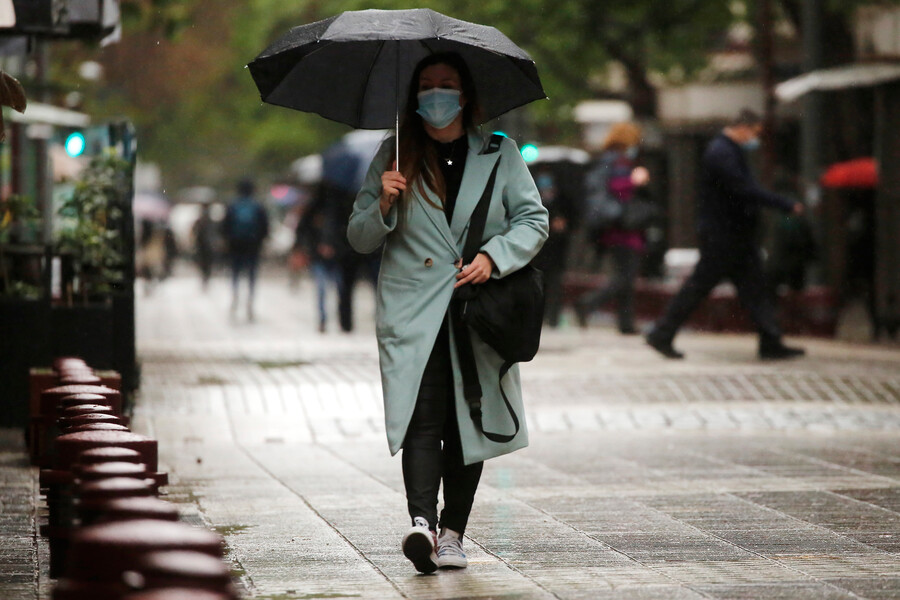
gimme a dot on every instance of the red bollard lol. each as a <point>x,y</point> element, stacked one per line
<point>80,378</point>
<point>96,427</point>
<point>86,409</point>
<point>100,554</point>
<point>63,362</point>
<point>176,594</point>
<point>66,422</point>
<point>63,515</point>
<point>41,427</point>
<point>50,399</point>
<point>125,509</point>
<point>175,569</point>
<point>71,445</point>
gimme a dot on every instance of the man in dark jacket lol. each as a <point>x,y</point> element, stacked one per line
<point>245,227</point>
<point>728,223</point>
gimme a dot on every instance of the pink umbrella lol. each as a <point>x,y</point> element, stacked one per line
<point>151,207</point>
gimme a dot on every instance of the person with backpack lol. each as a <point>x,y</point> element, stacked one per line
<point>245,227</point>
<point>420,211</point>
<point>611,185</point>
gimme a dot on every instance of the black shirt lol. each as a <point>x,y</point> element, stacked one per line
<point>455,153</point>
<point>438,375</point>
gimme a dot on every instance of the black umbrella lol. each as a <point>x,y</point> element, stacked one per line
<point>354,67</point>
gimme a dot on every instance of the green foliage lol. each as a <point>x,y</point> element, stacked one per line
<point>200,117</point>
<point>92,224</point>
<point>19,218</point>
<point>20,222</point>
<point>171,17</point>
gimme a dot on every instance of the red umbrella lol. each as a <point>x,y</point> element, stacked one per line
<point>856,173</point>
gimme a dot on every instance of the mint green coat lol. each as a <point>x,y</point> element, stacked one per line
<point>416,280</point>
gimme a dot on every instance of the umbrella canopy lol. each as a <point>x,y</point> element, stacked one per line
<point>308,169</point>
<point>355,67</point>
<point>857,173</point>
<point>344,163</point>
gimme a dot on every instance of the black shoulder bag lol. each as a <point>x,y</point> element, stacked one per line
<point>506,313</point>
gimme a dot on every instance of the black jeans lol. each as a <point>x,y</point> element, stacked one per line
<point>432,450</point>
<point>737,260</point>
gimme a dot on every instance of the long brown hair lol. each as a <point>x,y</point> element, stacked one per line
<point>418,157</point>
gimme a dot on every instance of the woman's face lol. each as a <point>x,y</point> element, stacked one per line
<point>441,76</point>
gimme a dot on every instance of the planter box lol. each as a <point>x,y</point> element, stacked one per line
<point>24,343</point>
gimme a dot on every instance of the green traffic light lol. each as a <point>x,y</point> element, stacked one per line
<point>530,152</point>
<point>75,144</point>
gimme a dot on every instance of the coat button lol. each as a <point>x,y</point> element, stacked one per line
<point>428,262</point>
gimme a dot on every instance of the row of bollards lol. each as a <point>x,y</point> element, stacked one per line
<point>110,535</point>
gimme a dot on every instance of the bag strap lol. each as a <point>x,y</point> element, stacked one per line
<point>471,386</point>
<point>479,216</point>
<point>479,219</point>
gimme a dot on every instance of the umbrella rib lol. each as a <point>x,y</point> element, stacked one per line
<point>362,100</point>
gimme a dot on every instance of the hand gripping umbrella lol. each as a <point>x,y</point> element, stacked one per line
<point>355,67</point>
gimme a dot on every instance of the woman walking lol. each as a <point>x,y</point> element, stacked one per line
<point>421,214</point>
<point>619,179</point>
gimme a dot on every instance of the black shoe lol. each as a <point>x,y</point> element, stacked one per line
<point>664,347</point>
<point>632,330</point>
<point>779,352</point>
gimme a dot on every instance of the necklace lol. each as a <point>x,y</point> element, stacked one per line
<point>448,160</point>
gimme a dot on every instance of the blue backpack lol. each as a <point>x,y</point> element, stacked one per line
<point>245,222</point>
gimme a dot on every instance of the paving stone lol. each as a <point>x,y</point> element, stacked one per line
<point>714,477</point>
<point>799,590</point>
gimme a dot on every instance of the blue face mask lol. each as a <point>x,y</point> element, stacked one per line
<point>439,106</point>
<point>751,144</point>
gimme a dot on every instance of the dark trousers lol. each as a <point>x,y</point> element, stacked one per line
<point>350,268</point>
<point>626,262</point>
<point>432,450</point>
<point>243,262</point>
<point>737,260</point>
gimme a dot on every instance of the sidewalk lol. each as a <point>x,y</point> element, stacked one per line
<point>715,477</point>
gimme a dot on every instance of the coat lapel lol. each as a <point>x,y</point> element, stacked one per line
<point>437,216</point>
<point>478,169</point>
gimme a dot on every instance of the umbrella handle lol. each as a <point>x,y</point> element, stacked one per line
<point>397,114</point>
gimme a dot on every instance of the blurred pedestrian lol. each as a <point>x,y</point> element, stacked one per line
<point>344,165</point>
<point>150,255</point>
<point>171,251</point>
<point>245,227</point>
<point>204,232</point>
<point>616,179</point>
<point>315,245</point>
<point>420,214</point>
<point>728,226</point>
<point>558,186</point>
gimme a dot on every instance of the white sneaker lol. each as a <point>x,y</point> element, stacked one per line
<point>419,545</point>
<point>450,554</point>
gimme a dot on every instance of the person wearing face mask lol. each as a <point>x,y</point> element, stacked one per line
<point>728,220</point>
<point>620,180</point>
<point>420,212</point>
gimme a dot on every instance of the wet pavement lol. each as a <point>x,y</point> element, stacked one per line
<point>720,476</point>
